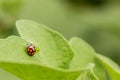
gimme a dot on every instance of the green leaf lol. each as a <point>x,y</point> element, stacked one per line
<point>85,54</point>
<point>14,59</point>
<point>37,72</point>
<point>100,71</point>
<point>112,68</point>
<point>55,51</point>
<point>52,44</point>
<point>88,74</point>
<point>4,75</point>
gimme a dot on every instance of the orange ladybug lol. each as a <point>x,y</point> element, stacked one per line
<point>31,50</point>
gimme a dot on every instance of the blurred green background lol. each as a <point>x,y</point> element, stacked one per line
<point>96,21</point>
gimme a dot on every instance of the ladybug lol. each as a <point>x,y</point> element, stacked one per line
<point>31,50</point>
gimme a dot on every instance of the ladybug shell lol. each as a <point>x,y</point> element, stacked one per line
<point>31,50</point>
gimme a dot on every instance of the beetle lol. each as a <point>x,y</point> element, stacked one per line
<point>31,50</point>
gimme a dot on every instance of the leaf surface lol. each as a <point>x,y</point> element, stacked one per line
<point>85,54</point>
<point>14,59</point>
<point>112,68</point>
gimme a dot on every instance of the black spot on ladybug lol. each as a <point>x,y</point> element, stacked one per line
<point>31,50</point>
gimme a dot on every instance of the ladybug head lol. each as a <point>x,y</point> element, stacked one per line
<point>29,44</point>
